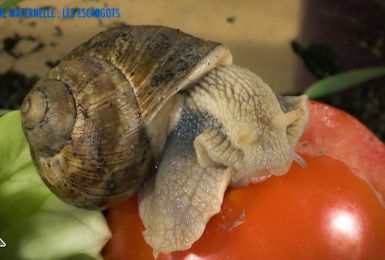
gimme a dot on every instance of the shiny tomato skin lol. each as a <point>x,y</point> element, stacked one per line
<point>337,134</point>
<point>126,228</point>
<point>321,212</point>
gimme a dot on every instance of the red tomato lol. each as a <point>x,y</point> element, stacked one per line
<point>322,211</point>
<point>337,134</point>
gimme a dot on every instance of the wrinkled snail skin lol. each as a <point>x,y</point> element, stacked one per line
<point>176,204</point>
<point>136,97</point>
<point>225,134</point>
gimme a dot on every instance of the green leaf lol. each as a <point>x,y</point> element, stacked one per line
<point>343,81</point>
<point>34,223</point>
<point>4,111</point>
<point>9,3</point>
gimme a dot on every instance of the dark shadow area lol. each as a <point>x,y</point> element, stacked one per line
<point>354,30</point>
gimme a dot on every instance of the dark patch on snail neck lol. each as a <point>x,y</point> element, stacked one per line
<point>191,123</point>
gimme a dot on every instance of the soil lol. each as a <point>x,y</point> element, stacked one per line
<point>13,87</point>
<point>338,36</point>
<point>366,101</point>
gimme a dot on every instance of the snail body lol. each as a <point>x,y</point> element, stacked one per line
<point>136,97</point>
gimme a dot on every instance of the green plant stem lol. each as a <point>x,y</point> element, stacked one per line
<point>343,81</point>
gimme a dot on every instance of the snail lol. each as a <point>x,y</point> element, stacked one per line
<point>155,110</point>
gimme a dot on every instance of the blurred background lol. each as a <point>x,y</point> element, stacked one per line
<point>289,44</point>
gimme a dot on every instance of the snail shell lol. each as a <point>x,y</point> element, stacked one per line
<point>98,119</point>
